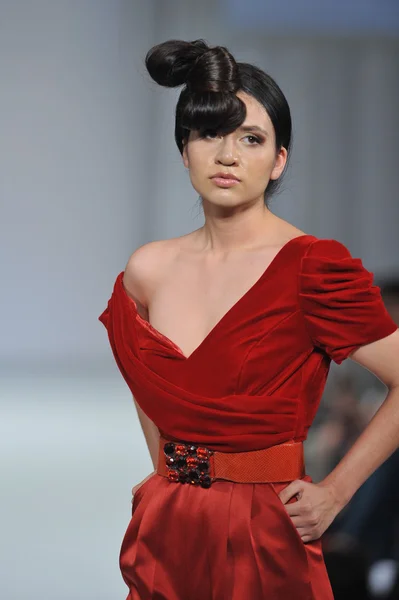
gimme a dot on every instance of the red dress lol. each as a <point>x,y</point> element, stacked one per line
<point>255,381</point>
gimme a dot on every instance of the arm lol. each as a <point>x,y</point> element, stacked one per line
<point>141,277</point>
<point>151,434</point>
<point>381,436</point>
<point>318,504</point>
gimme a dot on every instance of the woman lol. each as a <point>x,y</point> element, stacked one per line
<point>225,337</point>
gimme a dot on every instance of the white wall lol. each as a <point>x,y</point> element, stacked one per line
<point>74,122</point>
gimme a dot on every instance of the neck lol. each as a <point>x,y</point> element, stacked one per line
<point>241,228</point>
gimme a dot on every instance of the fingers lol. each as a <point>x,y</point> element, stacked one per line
<point>307,527</point>
<point>301,512</point>
<point>136,487</point>
<point>301,507</point>
<point>307,533</point>
<point>293,510</point>
<point>306,536</point>
<point>294,488</point>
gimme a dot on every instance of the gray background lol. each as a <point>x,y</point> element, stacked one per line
<point>88,172</point>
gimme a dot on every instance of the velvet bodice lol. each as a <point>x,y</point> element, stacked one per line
<point>257,378</point>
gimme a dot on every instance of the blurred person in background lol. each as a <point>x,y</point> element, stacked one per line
<point>348,574</point>
<point>225,338</point>
<point>369,524</point>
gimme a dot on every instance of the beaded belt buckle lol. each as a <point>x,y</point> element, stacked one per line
<point>188,463</point>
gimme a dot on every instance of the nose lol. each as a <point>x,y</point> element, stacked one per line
<point>227,152</point>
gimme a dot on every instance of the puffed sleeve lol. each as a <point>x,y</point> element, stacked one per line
<point>342,308</point>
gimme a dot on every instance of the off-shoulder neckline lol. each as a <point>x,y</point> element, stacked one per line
<point>149,327</point>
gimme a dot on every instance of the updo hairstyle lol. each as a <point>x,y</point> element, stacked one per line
<point>208,102</point>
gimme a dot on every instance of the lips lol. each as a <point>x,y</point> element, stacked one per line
<point>227,176</point>
<point>225,182</point>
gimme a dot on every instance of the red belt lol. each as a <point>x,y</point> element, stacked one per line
<point>189,463</point>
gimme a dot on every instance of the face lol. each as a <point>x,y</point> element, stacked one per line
<point>249,153</point>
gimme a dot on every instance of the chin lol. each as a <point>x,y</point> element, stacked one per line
<point>218,193</point>
<point>224,199</point>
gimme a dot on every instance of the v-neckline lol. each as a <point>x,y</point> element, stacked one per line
<point>222,319</point>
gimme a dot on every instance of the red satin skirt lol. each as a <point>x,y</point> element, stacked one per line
<point>233,541</point>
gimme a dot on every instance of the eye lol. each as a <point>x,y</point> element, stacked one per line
<point>254,139</point>
<point>209,133</point>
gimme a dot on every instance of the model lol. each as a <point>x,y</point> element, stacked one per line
<point>225,337</point>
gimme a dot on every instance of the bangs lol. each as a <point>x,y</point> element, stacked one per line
<point>208,111</point>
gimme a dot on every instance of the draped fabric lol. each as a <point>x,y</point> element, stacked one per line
<point>254,381</point>
<point>343,309</point>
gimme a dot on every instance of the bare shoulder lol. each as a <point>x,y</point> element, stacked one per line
<point>284,230</point>
<point>292,232</point>
<point>145,267</point>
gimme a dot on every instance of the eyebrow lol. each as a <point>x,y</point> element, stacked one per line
<point>253,128</point>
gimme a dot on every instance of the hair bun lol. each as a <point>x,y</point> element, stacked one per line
<point>170,62</point>
<point>200,67</point>
<point>214,71</point>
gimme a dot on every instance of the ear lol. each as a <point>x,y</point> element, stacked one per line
<point>280,163</point>
<point>185,154</point>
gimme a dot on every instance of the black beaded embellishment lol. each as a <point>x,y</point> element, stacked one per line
<point>188,463</point>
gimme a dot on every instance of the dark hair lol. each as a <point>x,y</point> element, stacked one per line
<point>208,101</point>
